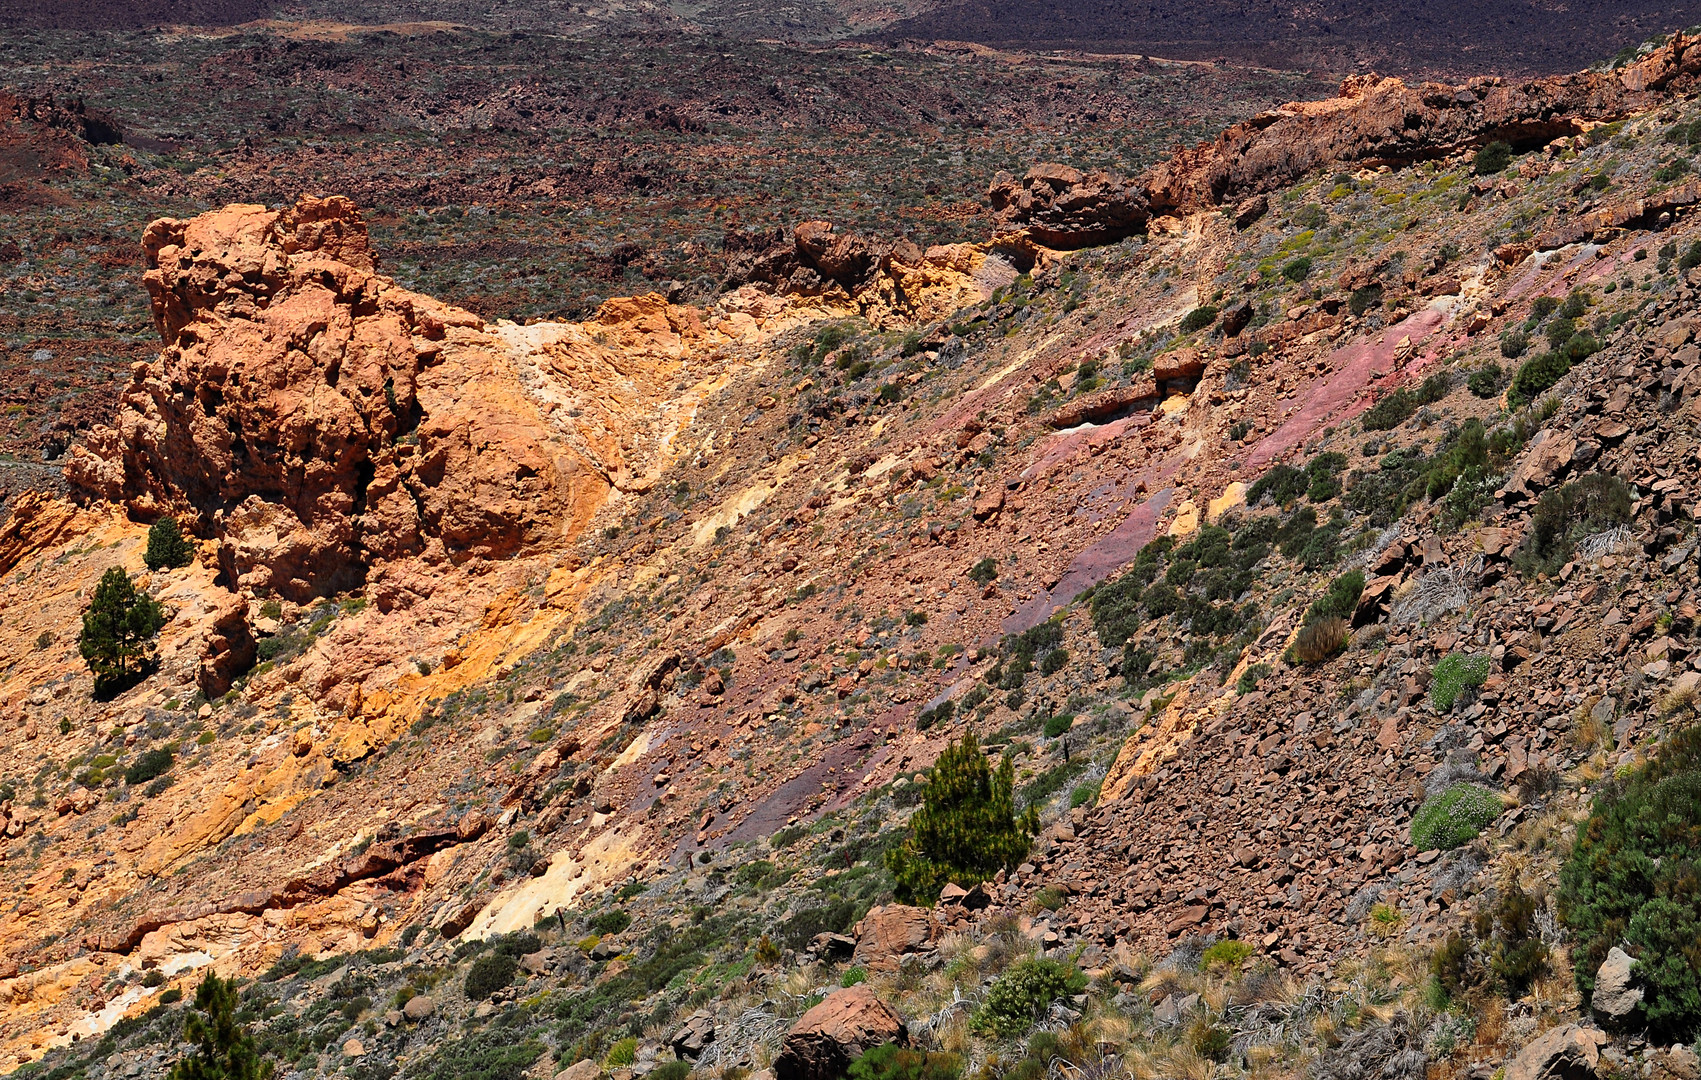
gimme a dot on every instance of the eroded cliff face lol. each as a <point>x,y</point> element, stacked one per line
<point>320,421</point>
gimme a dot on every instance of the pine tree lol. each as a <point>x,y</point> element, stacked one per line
<point>226,1050</point>
<point>167,547</point>
<point>117,627</point>
<point>967,829</point>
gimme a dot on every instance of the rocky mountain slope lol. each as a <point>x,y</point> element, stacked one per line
<point>1237,502</point>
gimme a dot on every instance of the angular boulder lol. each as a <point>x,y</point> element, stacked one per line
<point>1568,1052</point>
<point>1614,997</point>
<point>891,931</point>
<point>827,1038</point>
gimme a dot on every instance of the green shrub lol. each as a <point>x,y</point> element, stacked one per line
<point>1057,725</point>
<point>149,765</point>
<point>171,995</point>
<point>1198,319</point>
<point>489,974</point>
<point>1023,994</point>
<point>167,547</point>
<point>939,714</point>
<point>1341,599</point>
<point>1492,159</point>
<point>1283,483</point>
<point>621,1054</point>
<point>1249,678</point>
<point>1691,256</point>
<point>1453,817</point>
<point>852,976</point>
<point>611,922</point>
<point>1514,343</point>
<point>670,1070</point>
<point>1228,953</point>
<point>1055,660</point>
<point>1362,300</point>
<point>1589,504</point>
<point>894,1062</point>
<point>1452,674</point>
<point>1632,879</point>
<point>967,829</point>
<point>1297,270</point>
<point>1536,375</point>
<point>984,572</point>
<point>1486,381</point>
<point>1083,795</point>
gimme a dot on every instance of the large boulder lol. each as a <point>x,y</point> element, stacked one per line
<point>1614,997</point>
<point>827,1038</point>
<point>888,932</point>
<point>1063,207</point>
<point>1568,1052</point>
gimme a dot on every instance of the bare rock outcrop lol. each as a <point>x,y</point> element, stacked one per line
<point>315,417</point>
<point>1063,207</point>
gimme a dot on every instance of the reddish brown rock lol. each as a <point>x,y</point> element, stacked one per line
<point>827,1038</point>
<point>1062,207</point>
<point>890,931</point>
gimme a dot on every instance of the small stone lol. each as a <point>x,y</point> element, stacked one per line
<point>354,1048</point>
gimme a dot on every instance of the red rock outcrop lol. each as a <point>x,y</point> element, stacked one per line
<point>316,417</point>
<point>1063,207</point>
<point>1373,122</point>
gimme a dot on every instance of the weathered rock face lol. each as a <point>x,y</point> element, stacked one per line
<point>315,417</point>
<point>1375,121</point>
<point>1379,121</point>
<point>1062,207</point>
<point>827,1038</point>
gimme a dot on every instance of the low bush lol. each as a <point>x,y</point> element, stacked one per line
<point>150,765</point>
<point>489,974</point>
<point>894,1062</point>
<point>1453,817</point>
<point>1452,675</point>
<point>1589,504</point>
<point>1249,678</point>
<point>984,572</point>
<point>939,714</point>
<point>1297,270</point>
<point>611,922</point>
<point>1486,381</point>
<point>1321,640</point>
<point>1228,953</point>
<point>1198,319</point>
<point>1492,159</point>
<point>1341,599</point>
<point>1057,725</point>
<point>1024,993</point>
<point>1536,375</point>
<point>1632,880</point>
